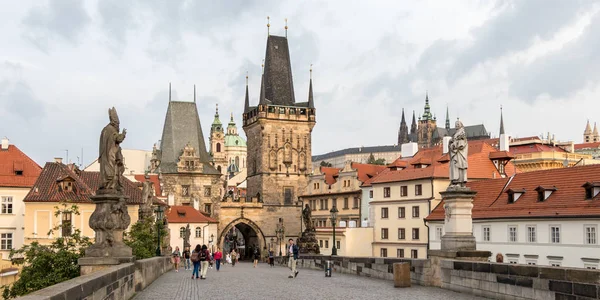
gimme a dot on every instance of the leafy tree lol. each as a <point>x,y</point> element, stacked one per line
<point>325,164</point>
<point>372,161</point>
<point>46,265</point>
<point>142,238</point>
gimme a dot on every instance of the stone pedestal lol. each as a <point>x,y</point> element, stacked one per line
<point>308,244</point>
<point>401,275</point>
<point>458,226</point>
<point>109,220</point>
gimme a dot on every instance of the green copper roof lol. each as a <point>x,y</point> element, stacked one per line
<point>234,140</point>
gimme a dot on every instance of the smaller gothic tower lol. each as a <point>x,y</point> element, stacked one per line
<point>413,126</point>
<point>217,144</point>
<point>447,121</point>
<point>403,131</point>
<point>587,134</point>
<point>595,135</point>
<point>427,125</point>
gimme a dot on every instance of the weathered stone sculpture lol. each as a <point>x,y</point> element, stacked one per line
<point>145,209</point>
<point>307,243</point>
<point>110,218</point>
<point>458,149</point>
<point>186,237</point>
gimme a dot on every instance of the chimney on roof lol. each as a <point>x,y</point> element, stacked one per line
<point>504,142</point>
<point>409,149</point>
<point>4,143</point>
<point>58,160</point>
<point>446,144</point>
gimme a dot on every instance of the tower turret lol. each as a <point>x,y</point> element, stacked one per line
<point>587,134</point>
<point>403,131</point>
<point>447,119</point>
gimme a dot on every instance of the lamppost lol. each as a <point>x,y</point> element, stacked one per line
<point>280,231</point>
<point>159,217</point>
<point>333,213</point>
<point>271,246</point>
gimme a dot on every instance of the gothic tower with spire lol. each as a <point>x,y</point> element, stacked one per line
<point>403,131</point>
<point>590,136</point>
<point>427,125</point>
<point>217,144</point>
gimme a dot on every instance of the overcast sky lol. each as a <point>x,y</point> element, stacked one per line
<point>63,63</point>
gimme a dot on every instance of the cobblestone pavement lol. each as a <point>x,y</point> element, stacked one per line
<point>264,282</point>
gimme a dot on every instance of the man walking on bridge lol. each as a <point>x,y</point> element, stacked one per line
<point>292,258</point>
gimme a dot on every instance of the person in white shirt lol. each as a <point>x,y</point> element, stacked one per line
<point>293,258</point>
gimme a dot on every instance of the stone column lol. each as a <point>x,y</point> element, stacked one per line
<point>458,226</point>
<point>109,220</point>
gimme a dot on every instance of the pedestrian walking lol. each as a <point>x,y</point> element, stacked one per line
<point>187,264</point>
<point>176,258</point>
<point>195,258</point>
<point>204,258</point>
<point>271,258</point>
<point>292,258</point>
<point>256,256</point>
<point>228,258</point>
<point>218,255</point>
<point>234,257</point>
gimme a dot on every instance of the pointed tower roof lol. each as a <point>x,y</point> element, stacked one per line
<point>588,128</point>
<point>403,131</point>
<point>311,101</point>
<point>595,129</point>
<point>501,122</point>
<point>216,124</point>
<point>413,125</point>
<point>182,126</point>
<point>427,111</point>
<point>277,78</point>
<point>247,100</point>
<point>231,121</point>
<point>263,99</point>
<point>447,119</point>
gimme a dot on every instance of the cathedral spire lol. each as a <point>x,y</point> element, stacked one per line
<point>501,122</point>
<point>170,92</point>
<point>403,131</point>
<point>194,93</point>
<point>427,112</point>
<point>447,119</point>
<point>595,133</point>
<point>588,128</point>
<point>247,100</point>
<point>413,125</point>
<point>311,103</point>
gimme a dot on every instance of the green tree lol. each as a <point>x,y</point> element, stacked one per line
<point>325,164</point>
<point>142,238</point>
<point>372,161</point>
<point>46,265</point>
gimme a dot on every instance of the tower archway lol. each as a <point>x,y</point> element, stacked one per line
<point>243,235</point>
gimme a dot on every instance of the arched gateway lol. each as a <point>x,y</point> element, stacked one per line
<point>242,234</point>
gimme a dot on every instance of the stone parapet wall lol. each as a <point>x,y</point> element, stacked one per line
<point>510,281</point>
<point>118,282</point>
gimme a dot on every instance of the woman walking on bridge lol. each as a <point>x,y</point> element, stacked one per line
<point>196,260</point>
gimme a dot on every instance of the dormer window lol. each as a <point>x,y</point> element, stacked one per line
<point>514,195</point>
<point>592,189</point>
<point>544,192</point>
<point>181,214</point>
<point>66,185</point>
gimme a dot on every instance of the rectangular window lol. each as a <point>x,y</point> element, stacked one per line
<point>401,212</point>
<point>321,243</point>
<point>590,266</point>
<point>287,195</point>
<point>555,234</point>
<point>326,244</point>
<point>418,190</point>
<point>512,234</point>
<point>207,191</point>
<point>513,261</point>
<point>400,253</point>
<point>6,241</point>
<point>555,263</point>
<point>337,244</point>
<point>414,253</point>
<point>415,211</point>
<point>7,205</point>
<point>345,203</point>
<point>531,234</point>
<point>383,252</point>
<point>356,202</point>
<point>590,234</point>
<point>404,191</point>
<point>415,233</point>
<point>438,233</point>
<point>326,204</point>
<point>384,212</point>
<point>486,233</point>
<point>371,194</point>
<point>386,192</point>
<point>66,224</point>
<point>384,233</point>
<point>207,209</point>
<point>401,233</point>
<point>185,190</point>
<point>532,262</point>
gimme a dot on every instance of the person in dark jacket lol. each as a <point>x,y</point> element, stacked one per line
<point>293,258</point>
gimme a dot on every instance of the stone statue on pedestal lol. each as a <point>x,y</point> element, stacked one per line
<point>306,216</point>
<point>186,237</point>
<point>110,218</point>
<point>307,242</point>
<point>458,149</point>
<point>145,209</point>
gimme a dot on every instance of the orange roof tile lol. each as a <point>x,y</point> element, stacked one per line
<point>187,214</point>
<point>330,174</point>
<point>13,160</point>
<point>531,148</point>
<point>500,155</point>
<point>367,171</point>
<point>587,146</point>
<point>491,201</point>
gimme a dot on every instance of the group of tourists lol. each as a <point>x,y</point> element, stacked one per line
<point>200,259</point>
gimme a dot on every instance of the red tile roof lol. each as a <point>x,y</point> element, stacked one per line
<point>587,146</point>
<point>46,187</point>
<point>480,165</point>
<point>501,155</point>
<point>155,182</point>
<point>330,174</point>
<point>367,171</point>
<point>531,148</point>
<point>12,160</point>
<point>187,214</point>
<point>491,201</point>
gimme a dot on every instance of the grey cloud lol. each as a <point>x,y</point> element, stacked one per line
<point>63,19</point>
<point>117,20</point>
<point>21,102</point>
<point>563,72</point>
<point>515,29</point>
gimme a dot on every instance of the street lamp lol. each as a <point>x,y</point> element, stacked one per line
<point>280,231</point>
<point>159,217</point>
<point>333,213</point>
<point>271,246</point>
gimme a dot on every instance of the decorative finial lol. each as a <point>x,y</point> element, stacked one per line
<point>286,27</point>
<point>246,77</point>
<point>310,71</point>
<point>268,25</point>
<point>217,109</point>
<point>263,66</point>
<point>169,92</point>
<point>194,93</point>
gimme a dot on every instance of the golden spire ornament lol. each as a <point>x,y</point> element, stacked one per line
<point>268,25</point>
<point>310,71</point>
<point>286,27</point>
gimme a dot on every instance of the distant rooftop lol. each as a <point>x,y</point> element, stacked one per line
<point>357,150</point>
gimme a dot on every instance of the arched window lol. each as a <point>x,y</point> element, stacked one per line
<point>218,147</point>
<point>198,232</point>
<point>181,232</point>
<point>237,161</point>
<point>219,169</point>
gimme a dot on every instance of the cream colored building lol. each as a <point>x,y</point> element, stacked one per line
<point>18,174</point>
<point>351,242</point>
<point>203,229</point>
<point>136,162</point>
<point>338,158</point>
